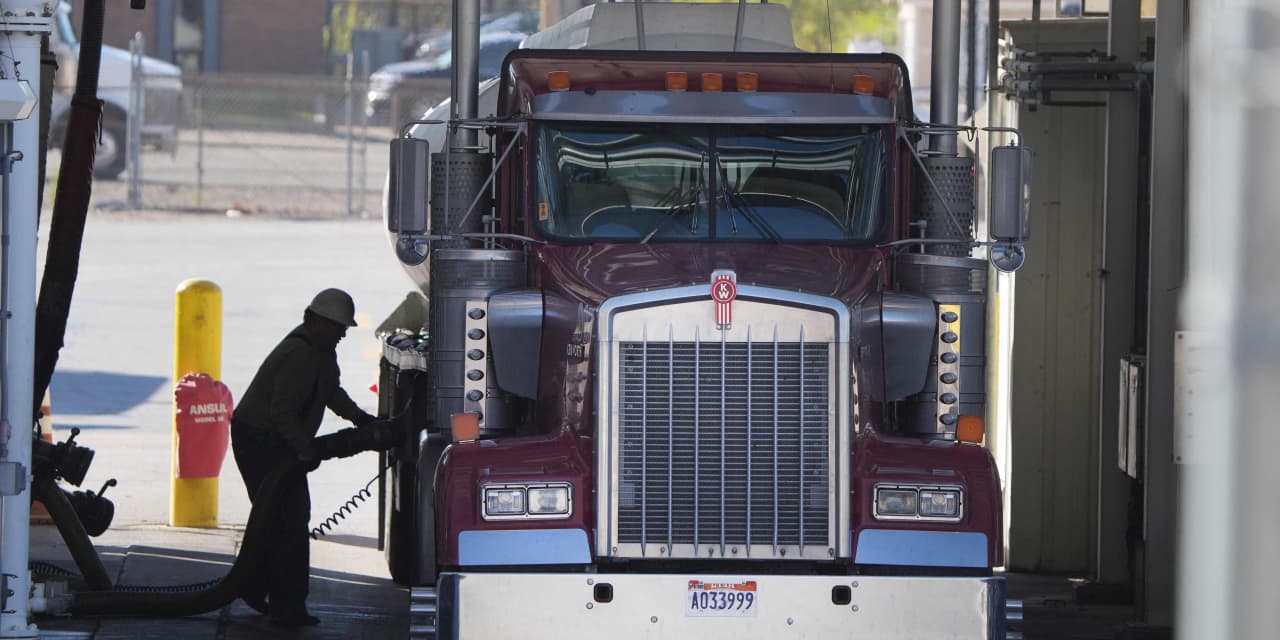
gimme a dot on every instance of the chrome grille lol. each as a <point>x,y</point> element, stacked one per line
<point>724,447</point>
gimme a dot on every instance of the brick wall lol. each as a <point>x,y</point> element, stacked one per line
<point>273,37</point>
<point>257,36</point>
<point>122,22</point>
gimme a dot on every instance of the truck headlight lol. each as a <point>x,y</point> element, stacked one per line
<point>918,502</point>
<point>542,500</point>
<point>939,503</point>
<point>552,500</point>
<point>896,502</point>
<point>503,502</point>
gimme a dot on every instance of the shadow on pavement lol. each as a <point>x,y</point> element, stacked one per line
<point>100,392</point>
<point>350,605</point>
<point>365,542</point>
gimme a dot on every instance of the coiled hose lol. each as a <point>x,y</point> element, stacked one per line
<point>352,503</point>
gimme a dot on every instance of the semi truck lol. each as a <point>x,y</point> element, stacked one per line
<point>704,347</point>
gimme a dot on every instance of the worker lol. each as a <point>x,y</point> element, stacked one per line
<point>275,423</point>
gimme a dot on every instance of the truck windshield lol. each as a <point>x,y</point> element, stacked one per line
<point>759,183</point>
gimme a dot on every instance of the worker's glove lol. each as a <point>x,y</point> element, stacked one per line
<point>386,433</point>
<point>381,435</point>
<point>364,420</point>
<point>309,459</point>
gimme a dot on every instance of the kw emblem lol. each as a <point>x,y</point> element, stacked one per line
<point>724,290</point>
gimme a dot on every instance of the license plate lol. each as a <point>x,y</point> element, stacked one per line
<point>732,598</point>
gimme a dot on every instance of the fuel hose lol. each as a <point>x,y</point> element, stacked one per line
<point>189,600</point>
<point>194,599</point>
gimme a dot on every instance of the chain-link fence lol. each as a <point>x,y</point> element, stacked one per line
<point>289,145</point>
<point>298,146</point>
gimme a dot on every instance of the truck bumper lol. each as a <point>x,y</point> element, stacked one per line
<point>567,606</point>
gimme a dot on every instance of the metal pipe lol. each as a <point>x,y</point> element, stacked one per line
<point>364,129</point>
<point>348,106</point>
<point>944,90</point>
<point>137,107</point>
<point>971,66</point>
<point>466,70</point>
<point>7,157</point>
<point>640,26</point>
<point>24,23</point>
<point>1052,68</point>
<point>993,61</point>
<point>1067,84</point>
<point>1035,24</point>
<point>737,32</point>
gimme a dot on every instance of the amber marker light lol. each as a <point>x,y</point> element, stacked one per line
<point>712,82</point>
<point>864,85</point>
<point>464,426</point>
<point>677,81</point>
<point>970,429</point>
<point>747,81</point>
<point>558,80</point>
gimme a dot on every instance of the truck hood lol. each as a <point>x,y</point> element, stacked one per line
<point>595,272</point>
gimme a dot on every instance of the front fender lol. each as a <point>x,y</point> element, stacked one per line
<point>465,538</point>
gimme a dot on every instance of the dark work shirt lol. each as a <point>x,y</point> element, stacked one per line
<point>293,386</point>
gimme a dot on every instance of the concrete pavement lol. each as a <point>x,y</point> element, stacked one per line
<point>114,382</point>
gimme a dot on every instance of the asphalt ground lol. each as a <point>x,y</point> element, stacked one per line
<point>114,382</point>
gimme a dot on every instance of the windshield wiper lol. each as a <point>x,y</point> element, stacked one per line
<point>683,201</point>
<point>734,200</point>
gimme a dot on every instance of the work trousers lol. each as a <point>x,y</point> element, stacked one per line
<point>288,556</point>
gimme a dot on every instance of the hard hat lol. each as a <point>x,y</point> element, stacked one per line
<point>336,305</point>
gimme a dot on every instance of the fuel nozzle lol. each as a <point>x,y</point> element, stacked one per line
<point>379,435</point>
<point>66,460</point>
<point>95,511</point>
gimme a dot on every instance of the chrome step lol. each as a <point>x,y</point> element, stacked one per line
<point>422,613</point>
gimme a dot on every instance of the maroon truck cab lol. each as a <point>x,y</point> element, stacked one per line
<point>713,351</point>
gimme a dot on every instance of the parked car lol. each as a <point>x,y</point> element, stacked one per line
<point>162,97</point>
<point>433,45</point>
<point>408,81</point>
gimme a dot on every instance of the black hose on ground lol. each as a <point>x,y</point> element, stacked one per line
<point>189,600</point>
<point>64,517</point>
<point>177,601</point>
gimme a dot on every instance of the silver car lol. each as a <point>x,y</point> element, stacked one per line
<point>162,97</point>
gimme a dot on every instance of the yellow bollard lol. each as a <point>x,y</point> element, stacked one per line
<point>197,348</point>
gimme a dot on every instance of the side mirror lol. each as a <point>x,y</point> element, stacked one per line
<point>1010,194</point>
<point>1008,218</point>
<point>409,186</point>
